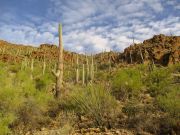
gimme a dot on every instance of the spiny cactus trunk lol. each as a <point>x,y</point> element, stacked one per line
<point>44,66</point>
<point>92,68</point>
<point>77,69</point>
<point>83,74</point>
<point>59,73</point>
<point>131,56</point>
<point>32,68</point>
<point>141,56</point>
<point>87,72</point>
<point>109,64</point>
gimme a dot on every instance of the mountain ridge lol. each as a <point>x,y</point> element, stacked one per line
<point>159,49</point>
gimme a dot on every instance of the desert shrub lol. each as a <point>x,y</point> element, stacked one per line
<point>127,83</point>
<point>20,101</point>
<point>170,102</point>
<point>158,81</point>
<point>43,82</point>
<point>104,66</point>
<point>175,68</point>
<point>102,76</point>
<point>5,121</point>
<point>9,102</point>
<point>94,102</point>
<point>132,108</point>
<point>141,117</point>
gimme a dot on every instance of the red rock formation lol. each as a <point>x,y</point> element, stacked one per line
<point>161,49</point>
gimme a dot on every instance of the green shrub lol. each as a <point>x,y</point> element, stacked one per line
<point>158,81</point>
<point>20,101</point>
<point>171,102</point>
<point>5,121</point>
<point>94,102</point>
<point>127,83</point>
<point>132,108</point>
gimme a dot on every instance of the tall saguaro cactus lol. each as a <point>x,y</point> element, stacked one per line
<point>87,70</point>
<point>59,72</point>
<point>92,68</point>
<point>32,67</point>
<point>83,74</point>
<point>141,55</point>
<point>44,65</point>
<point>131,56</point>
<point>77,69</point>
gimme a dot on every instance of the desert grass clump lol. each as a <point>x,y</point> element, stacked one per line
<point>93,102</point>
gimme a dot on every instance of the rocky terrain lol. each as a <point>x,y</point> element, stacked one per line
<point>161,49</point>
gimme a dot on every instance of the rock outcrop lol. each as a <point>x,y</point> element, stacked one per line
<point>160,49</point>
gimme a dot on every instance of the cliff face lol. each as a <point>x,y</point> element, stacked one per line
<point>160,49</point>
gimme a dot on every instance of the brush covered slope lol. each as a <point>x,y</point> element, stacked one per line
<point>116,93</point>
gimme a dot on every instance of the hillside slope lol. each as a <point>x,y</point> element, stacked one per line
<point>160,49</point>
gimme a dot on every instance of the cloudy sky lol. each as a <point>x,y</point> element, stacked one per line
<point>88,25</point>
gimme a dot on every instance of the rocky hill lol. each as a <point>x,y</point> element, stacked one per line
<point>160,49</point>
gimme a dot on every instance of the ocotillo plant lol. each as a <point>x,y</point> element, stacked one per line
<point>77,69</point>
<point>59,72</point>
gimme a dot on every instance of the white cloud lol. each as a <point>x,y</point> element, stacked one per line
<point>25,35</point>
<point>94,25</point>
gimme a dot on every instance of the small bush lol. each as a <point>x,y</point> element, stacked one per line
<point>158,81</point>
<point>20,101</point>
<point>127,83</point>
<point>5,121</point>
<point>171,102</point>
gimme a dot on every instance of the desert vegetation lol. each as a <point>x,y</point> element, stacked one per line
<point>95,94</point>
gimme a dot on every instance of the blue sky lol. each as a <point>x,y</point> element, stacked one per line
<point>88,25</point>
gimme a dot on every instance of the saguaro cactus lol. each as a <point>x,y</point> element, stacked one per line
<point>109,64</point>
<point>141,55</point>
<point>77,69</point>
<point>32,67</point>
<point>92,68</point>
<point>87,68</point>
<point>44,65</point>
<point>59,72</point>
<point>131,56</point>
<point>83,74</point>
